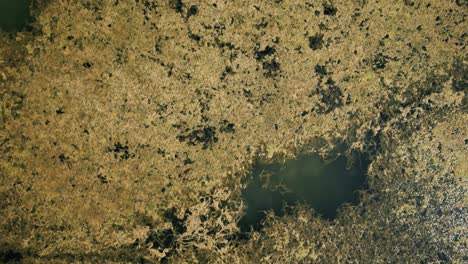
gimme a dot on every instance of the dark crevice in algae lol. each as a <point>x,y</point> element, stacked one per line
<point>322,185</point>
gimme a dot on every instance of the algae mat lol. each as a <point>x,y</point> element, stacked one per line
<point>127,129</point>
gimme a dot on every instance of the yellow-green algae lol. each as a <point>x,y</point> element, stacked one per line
<point>123,120</point>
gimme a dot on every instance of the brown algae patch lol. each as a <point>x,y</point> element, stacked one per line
<point>127,128</point>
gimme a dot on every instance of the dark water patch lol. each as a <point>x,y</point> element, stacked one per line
<point>165,240</point>
<point>320,70</point>
<point>205,136</point>
<point>261,54</point>
<point>460,76</point>
<point>328,9</point>
<point>14,15</point>
<point>192,11</point>
<point>322,185</point>
<point>177,5</point>
<point>316,41</point>
<point>271,68</point>
<point>379,62</point>
<point>10,256</point>
<point>331,97</point>
<point>121,151</point>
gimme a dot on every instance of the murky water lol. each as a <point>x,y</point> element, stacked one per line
<point>322,185</point>
<point>14,15</point>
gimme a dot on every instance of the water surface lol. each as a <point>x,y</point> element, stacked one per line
<point>14,15</point>
<point>322,185</point>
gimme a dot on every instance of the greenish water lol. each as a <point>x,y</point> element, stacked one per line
<point>14,15</point>
<point>309,180</point>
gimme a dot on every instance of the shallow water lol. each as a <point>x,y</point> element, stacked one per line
<point>322,185</point>
<point>14,15</point>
